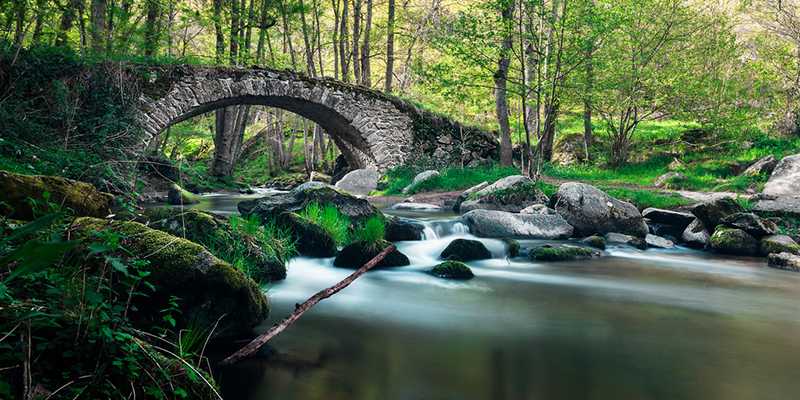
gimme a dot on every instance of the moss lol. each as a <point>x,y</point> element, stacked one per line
<point>357,254</point>
<point>595,241</point>
<point>180,196</point>
<point>465,250</point>
<point>512,247</point>
<point>778,244</point>
<point>82,198</point>
<point>452,269</point>
<point>561,253</point>
<point>733,241</point>
<point>312,239</point>
<point>206,286</point>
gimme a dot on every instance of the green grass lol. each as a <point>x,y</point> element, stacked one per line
<point>642,198</point>
<point>330,219</point>
<point>371,233</point>
<point>450,178</point>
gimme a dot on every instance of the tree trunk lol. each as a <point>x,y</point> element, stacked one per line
<point>230,126</point>
<point>500,82</point>
<point>220,37</point>
<point>67,19</point>
<point>20,10</point>
<point>318,37</point>
<point>235,23</point>
<point>365,49</point>
<point>335,5</point>
<point>98,10</point>
<point>310,69</point>
<point>356,46</point>
<point>151,39</point>
<point>387,85</point>
<point>343,50</point>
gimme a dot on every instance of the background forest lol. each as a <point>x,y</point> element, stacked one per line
<point>640,81</point>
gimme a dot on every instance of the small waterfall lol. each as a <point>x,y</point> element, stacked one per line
<point>432,230</point>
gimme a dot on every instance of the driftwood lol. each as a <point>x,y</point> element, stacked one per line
<point>256,343</point>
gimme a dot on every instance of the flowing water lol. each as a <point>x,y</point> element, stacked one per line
<point>655,324</point>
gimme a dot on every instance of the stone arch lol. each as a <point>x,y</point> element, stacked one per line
<point>369,129</point>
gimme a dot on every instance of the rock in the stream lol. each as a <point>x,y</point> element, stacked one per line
<point>714,211</point>
<point>397,229</point>
<point>787,261</point>
<point>659,242</point>
<point>452,269</point>
<point>357,254</point>
<point>82,198</point>
<point>752,224</point>
<point>733,241</point>
<point>785,179</point>
<point>559,252</point>
<point>421,177</point>
<point>360,182</point>
<point>416,207</point>
<point>267,208</point>
<point>511,194</point>
<point>778,244</point>
<point>668,217</point>
<point>312,239</point>
<point>595,241</point>
<point>498,224</point>
<point>620,239</point>
<point>591,211</point>
<point>465,250</point>
<point>696,234</point>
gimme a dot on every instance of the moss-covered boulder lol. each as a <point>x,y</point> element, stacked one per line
<point>558,252</point>
<point>267,208</point>
<point>215,233</point>
<point>696,234</point>
<point>355,255</point>
<point>465,250</point>
<point>452,269</point>
<point>595,241</point>
<point>787,261</point>
<point>778,244</point>
<point>398,229</point>
<point>510,194</point>
<point>82,198</point>
<point>752,224</point>
<point>312,239</point>
<point>206,287</point>
<point>714,211</point>
<point>180,196</point>
<point>733,241</point>
<point>569,149</point>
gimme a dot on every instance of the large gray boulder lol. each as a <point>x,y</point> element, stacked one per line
<point>591,211</point>
<point>360,182</point>
<point>714,211</point>
<point>659,242</point>
<point>267,208</point>
<point>467,193</point>
<point>512,194</point>
<point>785,179</point>
<point>763,166</point>
<point>776,205</point>
<point>421,177</point>
<point>499,224</point>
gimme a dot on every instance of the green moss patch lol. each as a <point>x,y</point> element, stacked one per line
<point>561,253</point>
<point>24,196</point>
<point>452,269</point>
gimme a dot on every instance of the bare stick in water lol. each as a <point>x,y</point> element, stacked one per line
<point>256,343</point>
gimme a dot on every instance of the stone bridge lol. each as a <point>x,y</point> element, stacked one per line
<point>371,129</point>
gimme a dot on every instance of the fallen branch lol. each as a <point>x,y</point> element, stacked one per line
<point>256,343</point>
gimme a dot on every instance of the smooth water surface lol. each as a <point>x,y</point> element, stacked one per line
<point>655,324</point>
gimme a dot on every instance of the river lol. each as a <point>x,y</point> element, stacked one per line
<point>654,324</point>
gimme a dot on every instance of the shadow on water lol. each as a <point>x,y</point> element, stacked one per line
<point>655,324</point>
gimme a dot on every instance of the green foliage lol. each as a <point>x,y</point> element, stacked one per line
<point>331,220</point>
<point>251,243</point>
<point>64,312</point>
<point>371,233</point>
